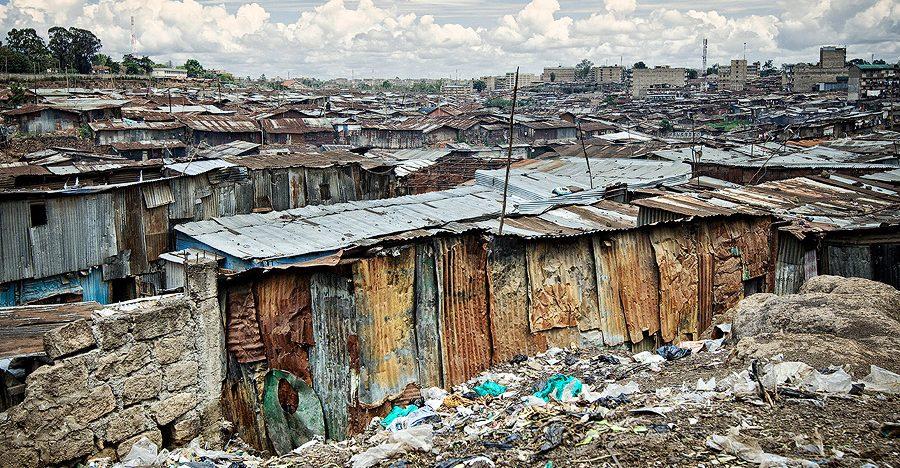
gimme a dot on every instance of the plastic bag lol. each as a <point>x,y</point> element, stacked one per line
<point>490,388</point>
<point>397,412</point>
<point>882,380</point>
<point>142,453</point>
<point>672,352</point>
<point>413,438</point>
<point>560,388</point>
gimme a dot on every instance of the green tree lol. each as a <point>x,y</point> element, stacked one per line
<point>552,77</point>
<point>73,48</point>
<point>878,62</point>
<point>26,42</point>
<point>640,65</point>
<point>479,85</point>
<point>692,74</point>
<point>16,94</point>
<point>386,84</point>
<point>137,66</point>
<point>194,69</point>
<point>583,69</point>
<point>856,61</point>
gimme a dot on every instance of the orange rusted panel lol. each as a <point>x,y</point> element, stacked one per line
<point>285,320</point>
<point>638,283</point>
<point>242,335</point>
<point>383,290</point>
<point>462,300</point>
<point>612,317</point>
<point>676,258</point>
<point>562,285</point>
<point>507,282</point>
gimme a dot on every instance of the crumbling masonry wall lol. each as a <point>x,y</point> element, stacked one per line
<point>150,368</point>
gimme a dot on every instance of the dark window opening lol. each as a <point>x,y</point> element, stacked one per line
<point>38,214</point>
<point>324,192</point>
<point>123,289</point>
<point>754,285</point>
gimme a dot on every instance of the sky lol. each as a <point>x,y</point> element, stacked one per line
<point>465,38</point>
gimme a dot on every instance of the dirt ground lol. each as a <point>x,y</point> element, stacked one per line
<point>849,426</point>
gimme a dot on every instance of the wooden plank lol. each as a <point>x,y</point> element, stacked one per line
<point>507,283</point>
<point>428,334</point>
<point>22,328</point>
<point>612,316</point>
<point>383,292</point>
<point>285,321</point>
<point>465,330</point>
<point>333,315</point>
<point>639,283</point>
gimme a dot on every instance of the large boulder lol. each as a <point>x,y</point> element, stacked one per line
<point>832,320</point>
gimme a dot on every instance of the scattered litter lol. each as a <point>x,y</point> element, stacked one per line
<point>142,453</point>
<point>881,380</point>
<point>560,388</point>
<point>749,450</point>
<point>553,436</point>
<point>672,352</point>
<point>397,412</point>
<point>419,438</point>
<point>653,410</point>
<point>706,385</point>
<point>490,388</point>
<point>646,357</point>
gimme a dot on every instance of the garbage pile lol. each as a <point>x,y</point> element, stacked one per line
<point>689,405</point>
<point>698,403</point>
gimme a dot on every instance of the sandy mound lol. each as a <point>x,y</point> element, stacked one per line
<point>833,320</point>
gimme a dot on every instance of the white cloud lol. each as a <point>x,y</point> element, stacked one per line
<point>388,38</point>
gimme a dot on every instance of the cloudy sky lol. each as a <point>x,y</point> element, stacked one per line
<point>465,38</point>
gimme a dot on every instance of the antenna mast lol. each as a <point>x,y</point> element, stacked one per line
<point>133,39</point>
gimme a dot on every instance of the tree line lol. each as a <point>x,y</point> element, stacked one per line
<point>76,50</point>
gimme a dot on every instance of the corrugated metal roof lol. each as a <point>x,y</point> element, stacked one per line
<point>128,124</point>
<point>192,168</point>
<point>810,204</point>
<point>771,154</point>
<point>220,123</point>
<point>536,180</point>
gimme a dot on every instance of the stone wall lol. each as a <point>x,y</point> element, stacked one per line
<point>151,368</point>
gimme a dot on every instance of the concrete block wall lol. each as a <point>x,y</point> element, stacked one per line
<point>151,367</point>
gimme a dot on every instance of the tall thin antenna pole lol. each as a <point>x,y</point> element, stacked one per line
<point>586,159</point>
<point>133,40</point>
<point>512,113</point>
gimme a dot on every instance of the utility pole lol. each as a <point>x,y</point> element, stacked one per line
<point>586,159</point>
<point>512,114</point>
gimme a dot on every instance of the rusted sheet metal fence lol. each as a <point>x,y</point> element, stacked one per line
<point>462,306</point>
<point>332,313</point>
<point>438,311</point>
<point>507,278</point>
<point>383,288</point>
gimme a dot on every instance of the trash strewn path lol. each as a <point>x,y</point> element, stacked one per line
<point>715,402</point>
<point>606,409</point>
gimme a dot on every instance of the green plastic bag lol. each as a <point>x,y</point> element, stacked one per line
<point>396,412</point>
<point>489,387</point>
<point>556,385</point>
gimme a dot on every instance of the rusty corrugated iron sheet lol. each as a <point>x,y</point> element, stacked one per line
<point>639,283</point>
<point>675,248</point>
<point>428,332</point>
<point>242,337</point>
<point>612,316</point>
<point>466,341</point>
<point>285,321</point>
<point>242,400</point>
<point>333,312</point>
<point>507,280</point>
<point>383,291</point>
<point>561,284</point>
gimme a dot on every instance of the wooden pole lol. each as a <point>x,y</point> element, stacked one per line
<point>512,113</point>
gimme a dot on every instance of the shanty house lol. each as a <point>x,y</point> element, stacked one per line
<point>125,130</point>
<point>422,291</point>
<point>219,129</point>
<point>295,130</point>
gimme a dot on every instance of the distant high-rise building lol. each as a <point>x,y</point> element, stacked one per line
<point>832,57</point>
<point>644,79</point>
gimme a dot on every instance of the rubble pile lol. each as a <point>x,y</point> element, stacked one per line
<point>701,403</point>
